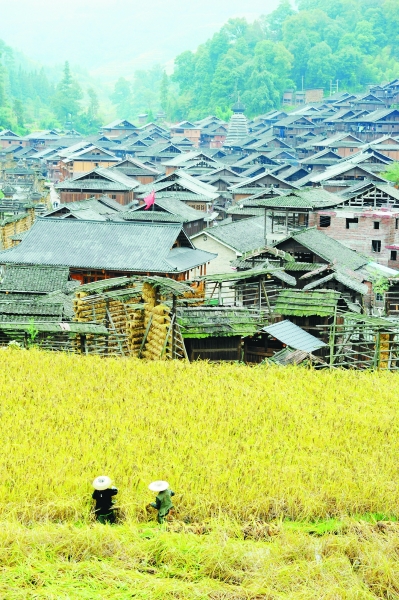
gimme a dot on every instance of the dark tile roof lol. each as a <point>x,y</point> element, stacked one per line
<point>117,246</point>
<point>19,278</point>
<point>176,207</point>
<point>243,235</point>
<point>25,310</point>
<point>329,249</point>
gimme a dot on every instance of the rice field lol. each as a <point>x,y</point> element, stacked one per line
<point>245,443</point>
<point>253,454</point>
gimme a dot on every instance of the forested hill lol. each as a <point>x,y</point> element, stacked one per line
<point>30,99</point>
<point>354,41</point>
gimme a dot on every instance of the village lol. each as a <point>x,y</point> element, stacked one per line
<point>268,240</point>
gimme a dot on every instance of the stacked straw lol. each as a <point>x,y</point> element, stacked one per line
<point>160,324</point>
<point>135,331</point>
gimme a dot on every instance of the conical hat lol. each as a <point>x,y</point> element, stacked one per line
<point>158,486</point>
<point>102,483</point>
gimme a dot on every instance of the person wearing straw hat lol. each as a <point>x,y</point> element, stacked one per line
<point>103,494</point>
<point>163,501</point>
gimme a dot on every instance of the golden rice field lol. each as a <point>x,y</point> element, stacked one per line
<point>254,455</point>
<point>245,443</point>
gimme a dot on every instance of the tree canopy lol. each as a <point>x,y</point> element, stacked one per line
<point>352,41</point>
<point>29,99</point>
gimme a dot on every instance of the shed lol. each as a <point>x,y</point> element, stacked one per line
<point>293,336</point>
<point>301,303</point>
<point>215,333</point>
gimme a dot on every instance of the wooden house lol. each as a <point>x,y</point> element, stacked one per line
<point>96,183</point>
<point>343,175</point>
<point>134,168</point>
<point>95,250</point>
<point>230,241</point>
<point>290,127</point>
<point>168,209</point>
<point>188,130</point>
<point>85,160</point>
<point>9,138</point>
<point>41,139</point>
<point>248,187</point>
<point>118,128</point>
<point>312,246</point>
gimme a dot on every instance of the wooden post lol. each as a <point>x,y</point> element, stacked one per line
<point>376,360</point>
<point>267,297</point>
<point>174,327</point>
<point>106,325</point>
<point>332,337</point>
<point>145,337</point>
<point>265,232</point>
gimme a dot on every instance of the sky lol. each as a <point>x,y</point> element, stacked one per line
<point>110,37</point>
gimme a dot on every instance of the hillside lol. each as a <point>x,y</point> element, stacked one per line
<point>352,41</point>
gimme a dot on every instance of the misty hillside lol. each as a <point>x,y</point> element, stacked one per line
<point>323,41</point>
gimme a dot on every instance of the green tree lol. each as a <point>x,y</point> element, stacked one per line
<point>320,67</point>
<point>349,66</point>
<point>276,60</point>
<point>164,92</point>
<point>19,112</point>
<point>66,100</point>
<point>272,24</point>
<point>122,98</point>
<point>94,105</point>
<point>184,73</point>
<point>392,173</point>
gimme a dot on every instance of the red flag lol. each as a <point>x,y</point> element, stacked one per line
<point>149,200</point>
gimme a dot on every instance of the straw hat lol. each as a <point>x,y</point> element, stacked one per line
<point>102,483</point>
<point>158,486</point>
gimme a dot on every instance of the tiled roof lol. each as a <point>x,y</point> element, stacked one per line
<point>18,278</point>
<point>175,206</point>
<point>242,236</point>
<point>117,246</point>
<point>151,216</point>
<point>306,199</point>
<point>24,310</point>
<point>349,282</point>
<point>329,249</point>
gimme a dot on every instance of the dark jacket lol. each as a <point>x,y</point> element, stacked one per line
<point>103,499</point>
<point>163,502</point>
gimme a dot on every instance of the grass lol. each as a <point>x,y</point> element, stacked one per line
<point>271,468</point>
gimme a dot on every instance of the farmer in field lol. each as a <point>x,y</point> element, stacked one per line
<point>103,494</point>
<point>163,501</point>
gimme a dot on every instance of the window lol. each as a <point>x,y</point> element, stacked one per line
<point>113,196</point>
<point>376,245</point>
<point>376,224</point>
<point>351,150</point>
<point>352,223</point>
<point>394,254</point>
<point>324,221</point>
<point>396,223</point>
